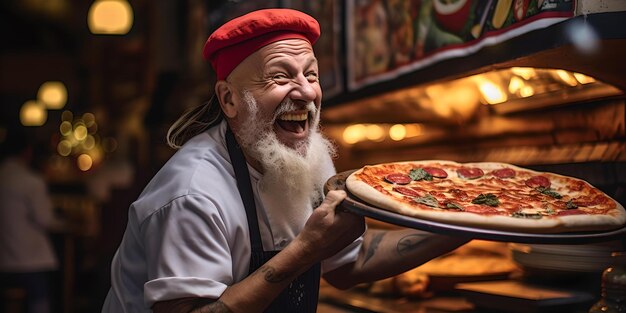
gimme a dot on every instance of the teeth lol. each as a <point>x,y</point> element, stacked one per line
<point>293,117</point>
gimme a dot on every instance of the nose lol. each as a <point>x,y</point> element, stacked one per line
<point>304,90</point>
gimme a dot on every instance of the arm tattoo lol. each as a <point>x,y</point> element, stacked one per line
<point>216,307</point>
<point>410,242</point>
<point>271,275</point>
<point>373,246</point>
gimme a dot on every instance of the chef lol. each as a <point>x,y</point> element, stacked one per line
<point>236,220</point>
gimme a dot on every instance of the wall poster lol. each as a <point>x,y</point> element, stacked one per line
<point>387,38</point>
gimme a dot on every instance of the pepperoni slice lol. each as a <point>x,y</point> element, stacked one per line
<point>436,172</point>
<point>481,209</point>
<point>470,172</point>
<point>571,212</point>
<point>591,200</point>
<point>398,178</point>
<point>420,191</point>
<point>538,181</point>
<point>407,191</point>
<point>576,185</point>
<point>504,173</point>
<point>436,194</point>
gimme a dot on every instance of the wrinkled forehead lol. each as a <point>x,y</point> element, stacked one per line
<point>300,50</point>
<point>290,53</point>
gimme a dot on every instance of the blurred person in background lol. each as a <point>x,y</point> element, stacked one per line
<point>236,220</point>
<point>27,256</point>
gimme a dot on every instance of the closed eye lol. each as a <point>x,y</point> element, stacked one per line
<point>312,77</point>
<point>280,79</point>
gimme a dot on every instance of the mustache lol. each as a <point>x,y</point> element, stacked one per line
<point>288,106</point>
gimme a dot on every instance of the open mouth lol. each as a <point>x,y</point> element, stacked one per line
<point>294,122</point>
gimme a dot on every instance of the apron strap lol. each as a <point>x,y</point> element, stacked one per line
<point>245,189</point>
<point>302,294</point>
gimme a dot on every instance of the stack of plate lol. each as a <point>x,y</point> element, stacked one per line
<point>568,258</point>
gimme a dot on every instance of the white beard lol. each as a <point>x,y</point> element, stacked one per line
<point>292,181</point>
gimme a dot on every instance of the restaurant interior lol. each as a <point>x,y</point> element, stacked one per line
<point>540,84</point>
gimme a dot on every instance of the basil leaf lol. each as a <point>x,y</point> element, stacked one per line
<point>486,199</point>
<point>428,200</point>
<point>549,192</point>
<point>420,174</point>
<point>534,216</point>
<point>454,206</point>
<point>571,205</point>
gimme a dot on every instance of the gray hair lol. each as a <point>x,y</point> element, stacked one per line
<point>193,122</point>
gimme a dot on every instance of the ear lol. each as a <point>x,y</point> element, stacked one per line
<point>225,95</point>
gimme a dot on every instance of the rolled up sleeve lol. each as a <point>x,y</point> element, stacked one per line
<point>187,251</point>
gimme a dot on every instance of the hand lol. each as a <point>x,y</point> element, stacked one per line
<point>329,230</point>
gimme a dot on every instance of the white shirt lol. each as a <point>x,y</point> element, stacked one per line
<point>191,225</point>
<point>25,214</point>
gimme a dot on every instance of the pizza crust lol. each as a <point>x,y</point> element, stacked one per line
<point>569,223</point>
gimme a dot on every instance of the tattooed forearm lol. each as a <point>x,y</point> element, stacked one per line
<point>411,242</point>
<point>378,237</point>
<point>271,275</point>
<point>215,307</point>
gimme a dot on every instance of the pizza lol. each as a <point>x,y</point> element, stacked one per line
<point>487,195</point>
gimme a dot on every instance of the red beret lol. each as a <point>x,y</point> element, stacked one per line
<point>234,41</point>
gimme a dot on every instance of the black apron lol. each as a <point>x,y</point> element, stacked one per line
<point>302,294</point>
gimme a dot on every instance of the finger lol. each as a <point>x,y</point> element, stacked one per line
<point>333,198</point>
